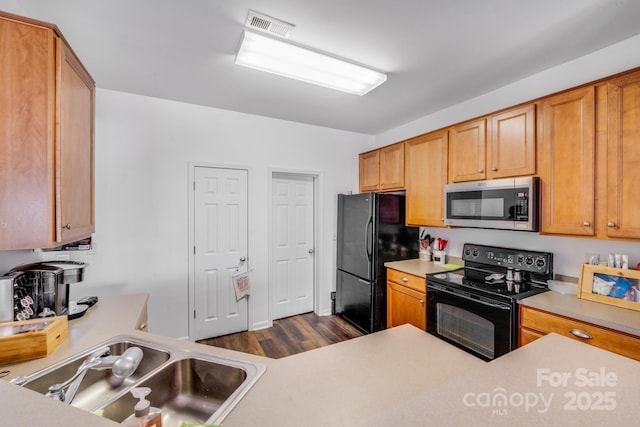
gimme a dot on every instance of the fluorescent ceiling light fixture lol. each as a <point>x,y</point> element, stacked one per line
<point>289,60</point>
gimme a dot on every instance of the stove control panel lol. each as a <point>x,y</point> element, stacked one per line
<point>535,262</point>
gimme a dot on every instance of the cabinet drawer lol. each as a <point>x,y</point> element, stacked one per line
<point>617,342</point>
<point>408,280</point>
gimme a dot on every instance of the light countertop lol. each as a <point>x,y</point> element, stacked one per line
<point>608,316</point>
<point>400,376</point>
<point>553,381</point>
<point>421,268</point>
<point>341,383</point>
<point>111,316</point>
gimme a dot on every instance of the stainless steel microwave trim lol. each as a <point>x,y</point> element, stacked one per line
<point>529,182</point>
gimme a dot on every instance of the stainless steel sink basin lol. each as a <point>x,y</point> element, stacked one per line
<point>188,386</point>
<point>97,386</point>
<point>187,390</point>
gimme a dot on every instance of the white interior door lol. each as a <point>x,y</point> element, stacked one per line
<point>220,250</point>
<point>293,244</point>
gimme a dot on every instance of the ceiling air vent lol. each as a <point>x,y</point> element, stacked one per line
<point>266,24</point>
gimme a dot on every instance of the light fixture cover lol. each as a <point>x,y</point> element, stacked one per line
<point>289,60</point>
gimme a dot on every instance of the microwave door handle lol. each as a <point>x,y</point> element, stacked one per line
<point>463,296</point>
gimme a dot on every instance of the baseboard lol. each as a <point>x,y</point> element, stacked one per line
<point>261,325</point>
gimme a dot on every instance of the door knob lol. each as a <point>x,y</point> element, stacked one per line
<point>311,251</point>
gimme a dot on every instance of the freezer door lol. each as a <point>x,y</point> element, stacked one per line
<point>353,300</point>
<point>355,244</point>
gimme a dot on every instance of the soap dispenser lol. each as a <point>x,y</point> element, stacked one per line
<point>144,415</point>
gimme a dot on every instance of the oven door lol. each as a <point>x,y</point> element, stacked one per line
<point>477,324</point>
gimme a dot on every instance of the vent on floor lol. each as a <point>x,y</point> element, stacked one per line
<point>266,24</point>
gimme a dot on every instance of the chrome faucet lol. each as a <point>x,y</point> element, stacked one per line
<point>121,366</point>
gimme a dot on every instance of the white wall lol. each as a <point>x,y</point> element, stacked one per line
<point>569,252</point>
<point>605,62</point>
<point>143,147</point>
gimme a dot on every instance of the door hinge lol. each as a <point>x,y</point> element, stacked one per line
<point>194,314</point>
<point>194,186</point>
<point>194,250</point>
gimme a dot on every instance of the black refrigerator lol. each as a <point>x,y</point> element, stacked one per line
<point>371,231</point>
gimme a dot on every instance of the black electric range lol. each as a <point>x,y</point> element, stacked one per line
<point>475,307</point>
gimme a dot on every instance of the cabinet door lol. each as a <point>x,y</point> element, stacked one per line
<point>27,108</point>
<point>511,150</point>
<point>369,165</point>
<point>405,305</point>
<point>623,157</point>
<point>426,170</point>
<point>74,148</point>
<point>392,167</point>
<point>567,163</point>
<point>467,155</point>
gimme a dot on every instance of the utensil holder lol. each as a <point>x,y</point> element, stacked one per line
<point>439,257</point>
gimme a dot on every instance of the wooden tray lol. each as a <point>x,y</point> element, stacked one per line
<point>31,339</point>
<point>591,290</point>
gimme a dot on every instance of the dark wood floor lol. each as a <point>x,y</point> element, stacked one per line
<point>288,336</point>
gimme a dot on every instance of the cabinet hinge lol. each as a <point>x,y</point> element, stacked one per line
<point>194,250</point>
<point>194,314</point>
<point>194,186</point>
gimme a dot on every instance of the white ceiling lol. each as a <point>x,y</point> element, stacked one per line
<point>437,53</point>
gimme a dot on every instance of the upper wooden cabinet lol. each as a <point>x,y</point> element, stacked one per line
<point>499,146</point>
<point>567,162</point>
<point>623,157</point>
<point>511,146</point>
<point>369,175</point>
<point>426,175</point>
<point>467,151</point>
<point>382,169</point>
<point>46,138</point>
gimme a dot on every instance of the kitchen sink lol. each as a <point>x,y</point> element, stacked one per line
<point>187,386</point>
<point>187,391</point>
<point>97,386</point>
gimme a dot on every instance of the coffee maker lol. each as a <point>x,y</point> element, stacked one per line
<point>41,289</point>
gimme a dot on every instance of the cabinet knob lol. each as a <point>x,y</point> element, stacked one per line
<point>421,302</point>
<point>405,280</point>
<point>480,170</point>
<point>580,334</point>
<point>142,327</point>
<point>494,169</point>
<point>611,224</point>
<point>67,226</point>
<point>586,224</point>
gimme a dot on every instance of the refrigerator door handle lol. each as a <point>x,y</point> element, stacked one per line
<point>368,237</point>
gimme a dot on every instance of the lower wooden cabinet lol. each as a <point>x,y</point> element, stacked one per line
<point>537,323</point>
<point>406,300</point>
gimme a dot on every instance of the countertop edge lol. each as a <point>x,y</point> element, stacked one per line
<point>576,308</point>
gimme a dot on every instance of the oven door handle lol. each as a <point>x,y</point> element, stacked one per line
<point>466,296</point>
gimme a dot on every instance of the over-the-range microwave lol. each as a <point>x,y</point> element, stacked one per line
<point>510,204</point>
